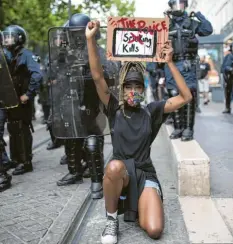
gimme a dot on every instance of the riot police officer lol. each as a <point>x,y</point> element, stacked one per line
<point>227,71</point>
<point>182,33</point>
<point>26,75</point>
<point>87,133</point>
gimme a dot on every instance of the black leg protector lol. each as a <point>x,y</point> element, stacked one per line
<point>73,149</point>
<point>189,118</point>
<point>20,146</point>
<point>228,92</point>
<point>177,118</point>
<point>95,160</point>
<point>5,179</point>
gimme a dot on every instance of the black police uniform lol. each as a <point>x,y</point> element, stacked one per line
<point>26,75</point>
<point>182,33</point>
<point>227,71</point>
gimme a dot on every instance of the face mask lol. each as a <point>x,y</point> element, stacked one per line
<point>134,98</point>
<point>226,49</point>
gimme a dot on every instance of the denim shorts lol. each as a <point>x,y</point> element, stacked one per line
<point>152,184</point>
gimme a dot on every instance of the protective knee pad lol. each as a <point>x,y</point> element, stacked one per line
<point>190,111</point>
<point>20,141</point>
<point>73,149</point>
<point>94,156</point>
<point>177,115</point>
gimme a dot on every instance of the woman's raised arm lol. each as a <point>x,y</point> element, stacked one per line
<point>95,64</point>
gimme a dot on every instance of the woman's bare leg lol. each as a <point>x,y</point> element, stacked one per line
<point>151,215</point>
<point>115,178</point>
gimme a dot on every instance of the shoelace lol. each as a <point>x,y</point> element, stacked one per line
<point>111,227</point>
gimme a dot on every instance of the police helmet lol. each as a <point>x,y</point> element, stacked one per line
<point>172,2</point>
<point>81,20</point>
<point>14,35</point>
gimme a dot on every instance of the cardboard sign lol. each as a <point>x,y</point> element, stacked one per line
<point>136,39</point>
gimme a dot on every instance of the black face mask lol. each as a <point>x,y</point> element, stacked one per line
<point>177,13</point>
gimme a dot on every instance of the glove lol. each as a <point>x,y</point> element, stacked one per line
<point>199,16</point>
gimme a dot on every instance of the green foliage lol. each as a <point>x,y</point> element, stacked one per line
<point>37,16</point>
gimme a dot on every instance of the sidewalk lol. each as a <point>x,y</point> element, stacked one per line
<point>35,210</point>
<point>210,220</point>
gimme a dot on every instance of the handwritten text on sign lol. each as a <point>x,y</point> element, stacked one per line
<point>133,43</point>
<point>136,39</point>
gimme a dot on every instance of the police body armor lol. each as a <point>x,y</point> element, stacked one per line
<point>184,41</point>
<point>228,78</point>
<point>185,45</point>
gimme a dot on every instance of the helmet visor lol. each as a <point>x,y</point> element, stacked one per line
<point>9,38</point>
<point>177,5</point>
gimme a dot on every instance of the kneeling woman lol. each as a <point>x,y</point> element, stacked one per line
<point>131,173</point>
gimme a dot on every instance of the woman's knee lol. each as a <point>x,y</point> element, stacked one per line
<point>154,232</point>
<point>115,169</point>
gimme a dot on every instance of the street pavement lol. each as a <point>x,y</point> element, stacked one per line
<point>36,211</point>
<point>214,132</point>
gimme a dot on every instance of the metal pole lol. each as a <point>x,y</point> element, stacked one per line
<point>69,8</point>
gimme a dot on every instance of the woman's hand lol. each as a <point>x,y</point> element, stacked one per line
<point>92,29</point>
<point>167,52</point>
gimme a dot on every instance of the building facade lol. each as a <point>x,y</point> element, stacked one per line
<point>219,13</point>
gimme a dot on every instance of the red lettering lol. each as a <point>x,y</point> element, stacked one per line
<point>136,39</point>
<point>156,27</point>
<point>141,24</point>
<point>122,22</point>
<point>132,24</point>
<point>164,25</point>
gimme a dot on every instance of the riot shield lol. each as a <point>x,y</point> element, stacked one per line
<point>8,96</point>
<point>76,108</point>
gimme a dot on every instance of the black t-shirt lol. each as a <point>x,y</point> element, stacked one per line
<point>132,137</point>
<point>204,68</point>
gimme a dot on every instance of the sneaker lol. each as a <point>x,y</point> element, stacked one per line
<point>109,235</point>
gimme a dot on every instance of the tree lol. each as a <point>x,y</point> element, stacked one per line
<point>37,16</point>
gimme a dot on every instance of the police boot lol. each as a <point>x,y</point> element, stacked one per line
<point>94,157</point>
<point>73,148</point>
<point>189,119</point>
<point>24,152</point>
